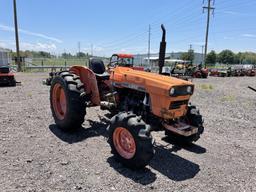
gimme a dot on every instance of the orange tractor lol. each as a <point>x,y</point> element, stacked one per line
<point>139,102</point>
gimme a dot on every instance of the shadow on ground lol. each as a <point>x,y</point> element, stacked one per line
<point>176,146</point>
<point>172,166</point>
<point>96,129</point>
<point>144,176</point>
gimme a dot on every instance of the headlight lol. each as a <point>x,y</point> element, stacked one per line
<point>172,91</point>
<point>189,89</point>
<point>181,91</point>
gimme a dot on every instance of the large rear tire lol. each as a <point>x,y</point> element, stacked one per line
<point>130,140</point>
<point>67,104</point>
<point>193,118</point>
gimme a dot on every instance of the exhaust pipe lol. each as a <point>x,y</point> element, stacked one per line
<point>162,50</point>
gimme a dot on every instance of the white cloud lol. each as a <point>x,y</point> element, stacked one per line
<point>95,49</point>
<point>234,13</point>
<point>29,46</point>
<point>199,43</point>
<point>228,38</point>
<point>38,46</point>
<point>98,49</point>
<point>249,35</point>
<point>231,12</point>
<point>11,29</point>
<point>2,45</point>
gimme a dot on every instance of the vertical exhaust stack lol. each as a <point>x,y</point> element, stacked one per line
<point>162,50</point>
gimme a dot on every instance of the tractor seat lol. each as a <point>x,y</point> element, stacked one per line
<point>98,67</point>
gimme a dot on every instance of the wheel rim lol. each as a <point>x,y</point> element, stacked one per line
<point>124,142</point>
<point>59,101</point>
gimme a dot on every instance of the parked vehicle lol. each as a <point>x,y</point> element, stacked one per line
<point>139,102</point>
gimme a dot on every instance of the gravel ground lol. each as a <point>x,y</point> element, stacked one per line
<point>37,156</point>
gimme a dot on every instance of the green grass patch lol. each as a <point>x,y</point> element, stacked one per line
<point>207,87</point>
<point>229,98</point>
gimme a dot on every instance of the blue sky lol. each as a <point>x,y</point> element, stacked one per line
<point>122,26</point>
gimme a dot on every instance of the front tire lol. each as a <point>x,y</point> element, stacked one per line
<point>130,140</point>
<point>67,105</point>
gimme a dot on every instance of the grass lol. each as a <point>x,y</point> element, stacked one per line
<point>207,87</point>
<point>229,98</point>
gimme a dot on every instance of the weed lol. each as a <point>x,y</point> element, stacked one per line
<point>206,87</point>
<point>228,98</point>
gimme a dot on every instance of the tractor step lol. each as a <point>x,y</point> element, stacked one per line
<point>181,129</point>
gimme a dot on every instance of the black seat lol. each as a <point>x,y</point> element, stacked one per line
<point>98,67</point>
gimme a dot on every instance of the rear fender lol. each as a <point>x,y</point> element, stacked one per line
<point>88,78</point>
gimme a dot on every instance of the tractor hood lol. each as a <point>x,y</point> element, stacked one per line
<point>146,81</point>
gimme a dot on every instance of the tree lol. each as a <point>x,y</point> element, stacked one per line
<point>66,55</point>
<point>188,56</point>
<point>211,58</point>
<point>239,57</point>
<point>81,54</point>
<point>226,57</point>
<point>249,58</point>
<point>44,54</point>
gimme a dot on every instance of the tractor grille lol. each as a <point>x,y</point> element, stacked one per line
<point>177,104</point>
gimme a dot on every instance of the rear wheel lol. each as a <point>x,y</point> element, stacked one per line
<point>67,105</point>
<point>193,118</point>
<point>130,140</point>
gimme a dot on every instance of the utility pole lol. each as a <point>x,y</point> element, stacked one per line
<point>18,62</point>
<point>79,48</point>
<point>202,53</point>
<point>209,10</point>
<point>190,52</point>
<point>149,39</point>
<point>92,49</point>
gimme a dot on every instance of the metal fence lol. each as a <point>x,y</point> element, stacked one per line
<point>51,64</point>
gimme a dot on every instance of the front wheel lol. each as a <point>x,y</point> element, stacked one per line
<point>130,140</point>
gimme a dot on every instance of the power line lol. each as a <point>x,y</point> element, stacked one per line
<point>209,10</point>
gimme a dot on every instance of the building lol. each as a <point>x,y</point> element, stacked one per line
<point>142,59</point>
<point>5,58</point>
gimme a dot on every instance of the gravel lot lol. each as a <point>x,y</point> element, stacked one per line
<point>37,156</point>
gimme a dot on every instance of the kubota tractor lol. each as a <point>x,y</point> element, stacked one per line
<point>139,102</point>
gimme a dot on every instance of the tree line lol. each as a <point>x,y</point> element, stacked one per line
<point>224,57</point>
<point>229,57</point>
